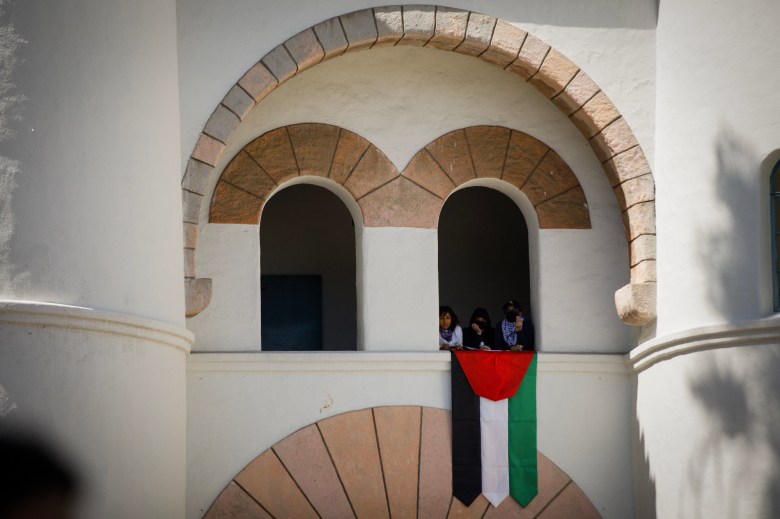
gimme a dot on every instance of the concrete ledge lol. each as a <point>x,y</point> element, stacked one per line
<point>384,361</point>
<point>50,315</point>
<point>752,333</point>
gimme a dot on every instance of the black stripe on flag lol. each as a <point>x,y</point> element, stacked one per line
<point>466,445</point>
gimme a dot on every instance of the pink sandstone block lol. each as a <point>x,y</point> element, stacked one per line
<point>635,191</point>
<point>314,145</point>
<point>351,441</point>
<point>234,503</point>
<point>304,455</point>
<point>419,23</point>
<point>488,146</point>
<point>426,173</point>
<point>595,115</point>
<point>269,483</point>
<point>258,81</point>
<point>189,263</point>
<point>460,511</point>
<point>644,272</point>
<point>232,205</point>
<point>280,63</point>
<point>389,25</point>
<point>331,37</point>
<point>551,481</point>
<point>221,124</point>
<point>523,156</point>
<point>479,31</point>
<point>273,152</point>
<point>196,177</point>
<point>613,140</point>
<point>244,173</point>
<point>398,431</point>
<point>208,149</point>
<point>349,151</point>
<point>572,502</point>
<point>452,153</point>
<point>238,101</point>
<point>640,219</point>
<point>642,249</point>
<point>530,57</point>
<point>305,49</point>
<point>190,235</point>
<point>373,170</point>
<point>401,203</point>
<point>626,165</point>
<point>190,205</point>
<point>554,74</point>
<point>577,93</point>
<point>505,44</point>
<point>550,178</point>
<point>360,28</point>
<point>435,492</point>
<point>450,28</point>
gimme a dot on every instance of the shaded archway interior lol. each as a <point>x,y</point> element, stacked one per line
<point>307,252</point>
<point>483,253</point>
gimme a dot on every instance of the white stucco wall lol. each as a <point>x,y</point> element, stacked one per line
<point>717,121</point>
<point>400,99</point>
<point>238,406</point>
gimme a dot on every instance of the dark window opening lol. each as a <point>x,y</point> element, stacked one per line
<point>307,266</point>
<point>483,253</point>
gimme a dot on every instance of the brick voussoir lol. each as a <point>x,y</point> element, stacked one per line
<point>505,44</point>
<point>555,73</point>
<point>208,149</point>
<point>258,82</point>
<point>530,57</point>
<point>305,49</point>
<point>450,28</point>
<point>280,63</point>
<point>331,36</point>
<point>360,29</point>
<point>419,23</point>
<point>479,33</point>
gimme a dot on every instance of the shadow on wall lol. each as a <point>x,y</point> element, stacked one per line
<point>11,105</point>
<point>643,479</point>
<point>728,249</point>
<point>738,454</point>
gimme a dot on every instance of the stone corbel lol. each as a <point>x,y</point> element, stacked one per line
<point>197,295</point>
<point>636,303</point>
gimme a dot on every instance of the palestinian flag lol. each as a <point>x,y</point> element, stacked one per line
<point>494,426</point>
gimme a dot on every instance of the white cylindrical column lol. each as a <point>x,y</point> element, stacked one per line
<point>92,345</point>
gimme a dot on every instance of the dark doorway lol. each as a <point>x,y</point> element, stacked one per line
<point>483,253</point>
<point>307,238</point>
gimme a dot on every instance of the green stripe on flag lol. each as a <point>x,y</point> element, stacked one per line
<point>523,479</point>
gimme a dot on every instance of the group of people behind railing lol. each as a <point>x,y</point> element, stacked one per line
<point>514,333</point>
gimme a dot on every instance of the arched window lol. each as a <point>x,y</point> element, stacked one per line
<point>775,215</point>
<point>307,256</point>
<point>483,253</point>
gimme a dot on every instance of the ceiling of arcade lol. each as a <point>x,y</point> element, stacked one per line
<point>425,178</point>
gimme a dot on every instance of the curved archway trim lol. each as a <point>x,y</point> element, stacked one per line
<point>464,32</point>
<point>389,198</point>
<point>378,462</point>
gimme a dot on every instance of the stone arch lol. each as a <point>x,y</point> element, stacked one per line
<point>379,462</point>
<point>387,197</point>
<point>464,32</point>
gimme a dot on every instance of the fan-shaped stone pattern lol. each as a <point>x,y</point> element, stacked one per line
<point>509,155</point>
<point>473,34</point>
<point>341,466</point>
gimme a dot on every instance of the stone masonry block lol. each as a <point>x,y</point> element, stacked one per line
<point>425,172</point>
<point>238,101</point>
<point>221,124</point>
<point>280,63</point>
<point>479,32</point>
<point>401,203</point>
<point>190,235</point>
<point>554,74</point>
<point>522,157</point>
<point>314,146</point>
<point>577,93</point>
<point>258,81</point>
<point>635,191</point>
<point>208,149</point>
<point>189,263</point>
<point>530,57</point>
<point>450,28</point>
<point>642,249</point>
<point>636,303</point>
<point>614,139</point>
<point>488,146</point>
<point>568,210</point>
<point>452,153</point>
<point>626,165</point>
<point>639,219</point>
<point>360,28</point>
<point>389,25</point>
<point>595,115</point>
<point>190,206</point>
<point>305,49</point>
<point>331,37</point>
<point>244,173</point>
<point>233,205</point>
<point>505,44</point>
<point>197,295</point>
<point>419,24</point>
<point>196,177</point>
<point>644,272</point>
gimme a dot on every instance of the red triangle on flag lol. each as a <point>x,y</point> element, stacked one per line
<point>494,375</point>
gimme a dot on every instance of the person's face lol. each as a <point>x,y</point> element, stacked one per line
<point>481,322</point>
<point>445,320</point>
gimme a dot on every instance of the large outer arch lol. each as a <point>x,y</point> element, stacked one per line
<point>464,32</point>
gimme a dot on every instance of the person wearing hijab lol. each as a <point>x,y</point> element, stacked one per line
<point>514,332</point>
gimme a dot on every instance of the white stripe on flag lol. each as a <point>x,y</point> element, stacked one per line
<point>494,432</point>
